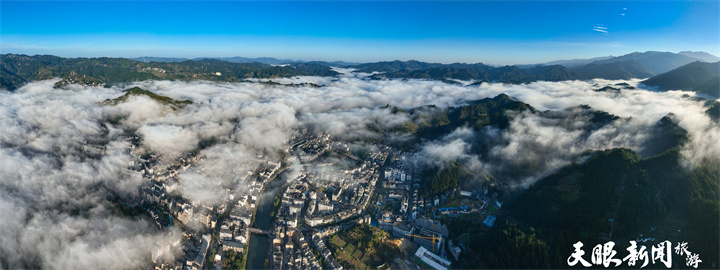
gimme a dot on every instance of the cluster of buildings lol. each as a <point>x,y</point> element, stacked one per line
<point>339,206</point>
<point>83,80</point>
<point>314,198</point>
<point>330,261</point>
<point>335,196</point>
<point>152,69</point>
<point>162,199</point>
<point>425,232</point>
<point>405,213</point>
<point>196,253</point>
<point>308,147</point>
<point>320,201</point>
<point>290,249</point>
<point>237,208</point>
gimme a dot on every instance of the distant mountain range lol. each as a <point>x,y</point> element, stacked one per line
<point>697,76</point>
<point>238,59</point>
<point>703,56</point>
<point>574,62</point>
<point>653,62</point>
<point>16,70</point>
<point>620,70</point>
<point>148,59</point>
<point>634,65</point>
<point>460,71</point>
<point>651,59</point>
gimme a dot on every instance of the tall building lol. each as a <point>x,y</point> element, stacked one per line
<point>429,233</point>
<point>428,238</point>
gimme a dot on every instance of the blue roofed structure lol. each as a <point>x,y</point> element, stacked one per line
<point>489,221</point>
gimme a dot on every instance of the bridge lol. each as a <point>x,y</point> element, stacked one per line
<point>352,156</point>
<point>259,231</point>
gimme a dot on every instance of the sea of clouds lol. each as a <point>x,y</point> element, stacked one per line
<point>56,193</point>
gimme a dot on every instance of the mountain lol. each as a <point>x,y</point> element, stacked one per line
<point>551,72</point>
<point>478,72</point>
<point>9,80</point>
<point>633,65</point>
<point>691,77</point>
<point>148,59</point>
<point>394,66</point>
<point>314,68</point>
<point>618,189</point>
<point>244,60</point>
<point>333,63</point>
<point>713,109</point>
<point>439,73</point>
<point>137,91</point>
<point>264,60</point>
<point>703,56</point>
<point>621,70</point>
<point>576,62</point>
<point>79,79</point>
<point>664,135</point>
<point>236,59</point>
<point>431,122</point>
<point>16,70</point>
<point>43,67</point>
<point>654,62</point>
<point>615,194</point>
<point>711,87</point>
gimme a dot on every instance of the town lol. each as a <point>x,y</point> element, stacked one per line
<point>302,212</point>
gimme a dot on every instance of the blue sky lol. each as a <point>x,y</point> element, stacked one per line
<point>496,32</point>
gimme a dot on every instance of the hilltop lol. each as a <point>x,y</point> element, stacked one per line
<point>137,91</point>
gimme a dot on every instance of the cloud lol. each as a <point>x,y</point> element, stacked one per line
<point>537,144</point>
<point>601,29</point>
<point>64,157</point>
<point>450,151</point>
<point>60,167</point>
<point>168,140</point>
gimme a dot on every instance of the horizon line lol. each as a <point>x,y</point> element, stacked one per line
<point>350,62</point>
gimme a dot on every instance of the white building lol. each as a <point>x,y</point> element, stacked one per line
<point>432,260</point>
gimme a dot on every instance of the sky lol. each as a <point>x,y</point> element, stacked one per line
<point>494,32</point>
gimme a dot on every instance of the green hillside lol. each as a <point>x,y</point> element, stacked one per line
<point>16,70</point>
<point>696,76</point>
<point>137,91</point>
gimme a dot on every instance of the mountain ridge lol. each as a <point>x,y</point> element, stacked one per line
<point>18,69</point>
<point>696,76</point>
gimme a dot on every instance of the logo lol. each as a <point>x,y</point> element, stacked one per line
<point>604,254</point>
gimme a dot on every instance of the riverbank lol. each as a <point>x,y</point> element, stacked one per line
<point>258,244</point>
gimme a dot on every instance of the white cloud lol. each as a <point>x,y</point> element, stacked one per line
<point>168,140</point>
<point>46,171</point>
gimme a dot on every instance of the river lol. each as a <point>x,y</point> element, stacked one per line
<point>259,245</point>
